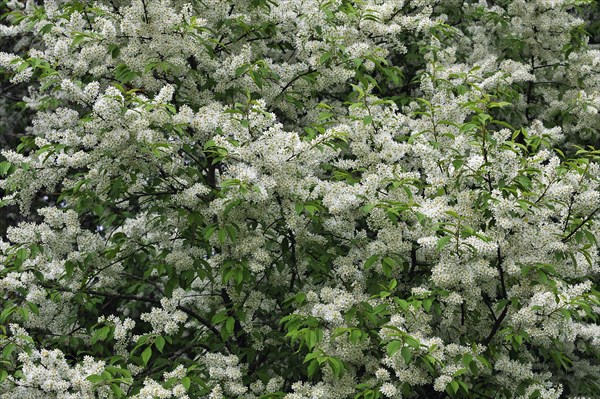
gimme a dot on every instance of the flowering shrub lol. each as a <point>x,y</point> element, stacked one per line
<point>300,199</point>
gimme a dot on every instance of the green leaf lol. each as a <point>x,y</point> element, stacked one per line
<point>355,336</point>
<point>336,366</point>
<point>7,311</point>
<point>406,354</point>
<point>4,168</point>
<point>8,349</point>
<point>23,313</point>
<point>427,303</point>
<point>313,367</point>
<point>388,265</point>
<point>159,342</point>
<point>119,393</point>
<point>499,104</point>
<point>100,334</point>
<point>311,339</point>
<point>146,354</point>
<point>412,342</point>
<point>222,235</point>
<point>452,213</point>
<point>46,28</point>
<point>117,370</point>
<point>501,304</point>
<point>535,394</point>
<point>208,232</point>
<point>459,372</point>
<point>393,347</point>
<point>467,359</point>
<point>450,390</point>
<point>231,232</point>
<point>95,378</point>
<point>239,71</point>
<point>370,261</point>
<point>312,355</point>
<point>457,163</point>
<point>442,242</point>
<point>229,324</point>
<point>485,362</point>
<point>34,308</point>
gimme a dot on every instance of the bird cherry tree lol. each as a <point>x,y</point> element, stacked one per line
<point>300,199</point>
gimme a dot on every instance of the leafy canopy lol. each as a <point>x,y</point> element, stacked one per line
<point>299,199</point>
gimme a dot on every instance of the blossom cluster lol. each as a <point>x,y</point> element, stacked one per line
<point>300,199</point>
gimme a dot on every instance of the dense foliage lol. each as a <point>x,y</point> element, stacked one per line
<point>299,199</point>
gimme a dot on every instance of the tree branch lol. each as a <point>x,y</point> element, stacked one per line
<point>184,309</point>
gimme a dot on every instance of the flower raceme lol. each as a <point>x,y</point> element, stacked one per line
<point>299,199</point>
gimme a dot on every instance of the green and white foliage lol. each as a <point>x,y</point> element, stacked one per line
<point>301,199</point>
